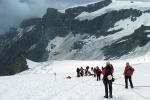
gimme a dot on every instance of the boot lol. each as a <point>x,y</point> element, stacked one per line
<point>105,96</point>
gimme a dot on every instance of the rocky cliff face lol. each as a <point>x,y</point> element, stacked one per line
<point>95,31</point>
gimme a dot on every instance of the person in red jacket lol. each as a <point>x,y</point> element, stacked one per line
<point>98,73</point>
<point>107,79</point>
<point>128,72</point>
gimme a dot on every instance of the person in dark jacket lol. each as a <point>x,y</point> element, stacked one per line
<point>128,72</point>
<point>81,71</point>
<point>78,72</point>
<point>107,79</point>
<point>94,72</point>
<point>87,71</point>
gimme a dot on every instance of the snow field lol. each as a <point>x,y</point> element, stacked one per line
<point>41,83</point>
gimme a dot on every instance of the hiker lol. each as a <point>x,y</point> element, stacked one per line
<point>92,69</point>
<point>128,72</point>
<point>81,71</point>
<point>78,72</point>
<point>107,79</point>
<point>87,70</point>
<point>98,73</point>
<point>94,72</point>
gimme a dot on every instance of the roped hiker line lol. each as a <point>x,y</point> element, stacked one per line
<point>115,83</point>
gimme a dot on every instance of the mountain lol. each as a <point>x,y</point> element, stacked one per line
<point>106,29</point>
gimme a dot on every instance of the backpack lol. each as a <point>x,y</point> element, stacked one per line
<point>130,72</point>
<point>68,77</point>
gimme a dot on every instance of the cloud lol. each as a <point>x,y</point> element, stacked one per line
<point>12,12</point>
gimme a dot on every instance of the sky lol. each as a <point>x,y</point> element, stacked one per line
<point>12,12</point>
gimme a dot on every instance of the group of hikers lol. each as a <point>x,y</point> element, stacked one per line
<point>107,73</point>
<point>95,71</point>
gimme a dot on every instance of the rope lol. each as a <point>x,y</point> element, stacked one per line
<point>118,78</point>
<point>136,91</point>
<point>141,95</point>
<point>93,85</point>
<point>143,86</point>
<point>124,85</point>
<point>134,86</point>
<point>119,85</point>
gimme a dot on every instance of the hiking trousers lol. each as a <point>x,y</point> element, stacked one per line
<point>108,87</point>
<point>98,77</point>
<point>126,81</point>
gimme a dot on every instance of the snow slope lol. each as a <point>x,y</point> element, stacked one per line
<point>115,5</point>
<point>82,5</point>
<point>61,48</point>
<point>40,82</point>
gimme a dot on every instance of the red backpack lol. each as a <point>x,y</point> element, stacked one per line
<point>130,72</point>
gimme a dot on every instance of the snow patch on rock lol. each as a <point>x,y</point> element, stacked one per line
<point>128,27</point>
<point>115,5</point>
<point>148,35</point>
<point>20,32</point>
